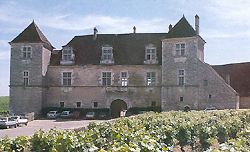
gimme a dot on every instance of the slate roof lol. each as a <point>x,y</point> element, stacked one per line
<point>239,76</point>
<point>128,49</point>
<point>181,29</point>
<point>32,34</point>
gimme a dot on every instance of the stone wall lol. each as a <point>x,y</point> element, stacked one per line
<point>87,87</point>
<point>24,99</point>
<point>215,93</point>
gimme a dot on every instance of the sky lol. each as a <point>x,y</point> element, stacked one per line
<point>224,24</point>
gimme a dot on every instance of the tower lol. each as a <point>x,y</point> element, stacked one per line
<point>30,55</point>
<point>182,52</point>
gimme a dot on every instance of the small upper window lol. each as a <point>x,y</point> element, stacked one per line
<point>95,104</point>
<point>150,54</point>
<point>181,77</point>
<point>78,104</point>
<point>67,78</point>
<point>26,52</point>
<point>61,104</point>
<point>107,55</point>
<point>151,78</point>
<point>180,49</point>
<point>67,54</point>
<point>26,78</point>
<point>124,78</point>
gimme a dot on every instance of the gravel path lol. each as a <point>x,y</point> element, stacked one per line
<point>46,125</point>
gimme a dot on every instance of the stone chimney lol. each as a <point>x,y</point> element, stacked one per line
<point>170,27</point>
<point>95,33</point>
<point>197,28</point>
<point>134,29</point>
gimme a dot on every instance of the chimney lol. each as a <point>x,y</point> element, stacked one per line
<point>197,24</point>
<point>95,33</point>
<point>170,27</point>
<point>134,29</point>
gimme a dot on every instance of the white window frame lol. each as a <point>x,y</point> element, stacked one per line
<point>181,77</point>
<point>106,80</point>
<point>26,78</point>
<point>180,49</point>
<point>26,52</point>
<point>124,78</point>
<point>67,54</point>
<point>150,53</point>
<point>151,78</point>
<point>107,55</point>
<point>67,78</point>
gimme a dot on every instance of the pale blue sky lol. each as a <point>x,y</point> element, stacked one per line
<point>224,24</point>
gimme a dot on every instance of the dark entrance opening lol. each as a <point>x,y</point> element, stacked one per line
<point>116,107</point>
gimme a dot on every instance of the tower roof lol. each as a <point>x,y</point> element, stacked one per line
<point>181,29</point>
<point>32,34</point>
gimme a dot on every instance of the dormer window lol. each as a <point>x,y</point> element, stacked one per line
<point>26,52</point>
<point>68,56</point>
<point>107,55</point>
<point>150,54</point>
<point>180,49</point>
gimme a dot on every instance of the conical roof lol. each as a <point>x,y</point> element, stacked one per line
<point>181,29</point>
<point>32,34</point>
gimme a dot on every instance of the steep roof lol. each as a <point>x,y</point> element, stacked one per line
<point>239,76</point>
<point>128,49</point>
<point>32,34</point>
<point>181,29</point>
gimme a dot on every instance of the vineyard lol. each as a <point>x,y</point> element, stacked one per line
<point>226,130</point>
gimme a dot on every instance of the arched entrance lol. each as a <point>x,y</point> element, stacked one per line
<point>116,107</point>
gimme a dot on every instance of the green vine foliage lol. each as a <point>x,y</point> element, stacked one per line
<point>223,130</point>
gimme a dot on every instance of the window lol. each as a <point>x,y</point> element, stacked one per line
<point>150,54</point>
<point>151,78</point>
<point>67,54</point>
<point>106,78</point>
<point>61,104</point>
<point>181,76</point>
<point>67,77</point>
<point>124,78</point>
<point>107,55</point>
<point>95,104</point>
<point>26,78</point>
<point>78,104</point>
<point>180,49</point>
<point>153,104</point>
<point>209,96</point>
<point>181,99</point>
<point>26,52</point>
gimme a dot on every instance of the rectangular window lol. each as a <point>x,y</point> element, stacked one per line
<point>151,78</point>
<point>153,104</point>
<point>151,54</point>
<point>181,99</point>
<point>124,79</point>
<point>78,104</point>
<point>26,78</point>
<point>67,54</point>
<point>67,78</point>
<point>181,77</point>
<point>26,52</point>
<point>106,78</point>
<point>95,104</point>
<point>61,104</point>
<point>107,53</point>
<point>180,49</point>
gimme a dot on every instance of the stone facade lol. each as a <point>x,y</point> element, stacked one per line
<point>155,53</point>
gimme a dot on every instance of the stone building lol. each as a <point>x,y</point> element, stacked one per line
<point>116,71</point>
